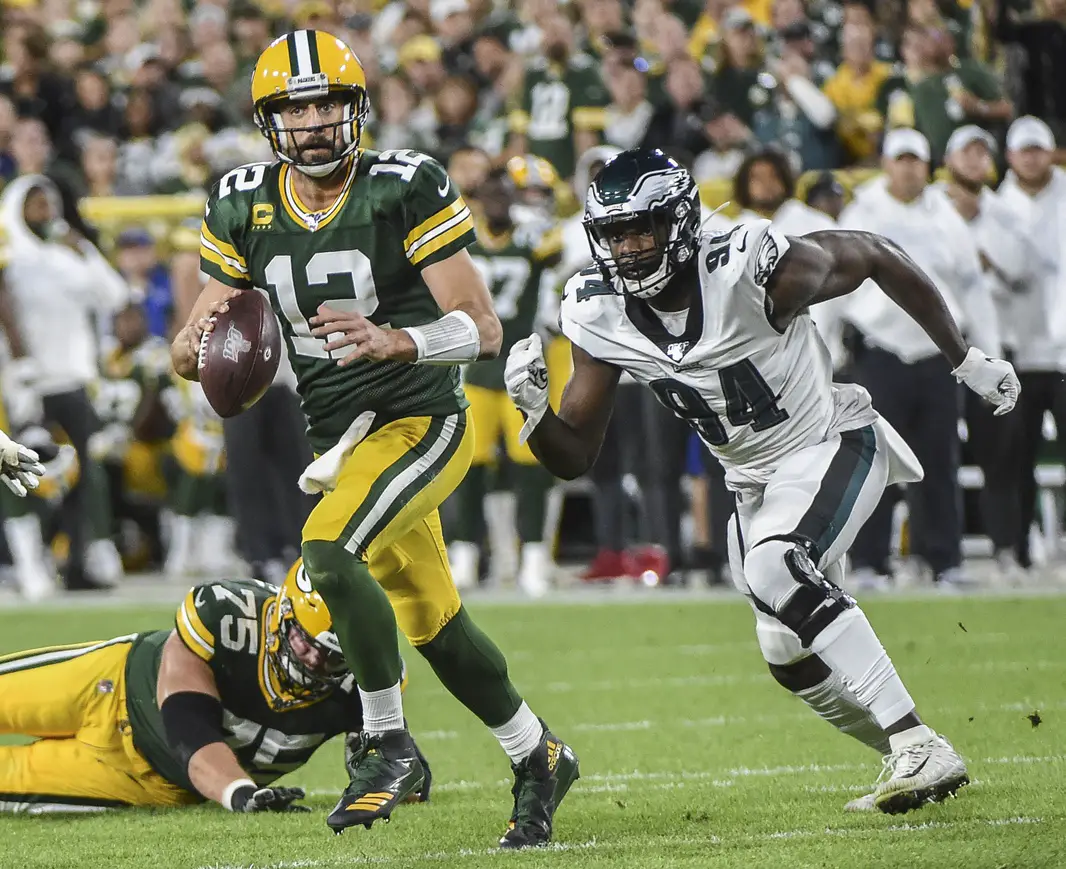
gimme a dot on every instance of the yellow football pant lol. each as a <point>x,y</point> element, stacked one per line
<point>73,699</point>
<point>495,416</point>
<point>560,366</point>
<point>384,510</point>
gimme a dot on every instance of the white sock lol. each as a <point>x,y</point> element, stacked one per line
<point>912,736</point>
<point>834,701</point>
<point>851,648</point>
<point>521,735</point>
<point>382,710</point>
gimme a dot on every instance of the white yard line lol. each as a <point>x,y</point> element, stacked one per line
<point>406,859</point>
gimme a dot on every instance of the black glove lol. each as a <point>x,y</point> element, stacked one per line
<point>252,799</point>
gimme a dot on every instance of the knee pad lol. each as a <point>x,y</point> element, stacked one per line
<point>783,577</point>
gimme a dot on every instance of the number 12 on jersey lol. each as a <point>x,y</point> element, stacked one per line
<point>749,400</point>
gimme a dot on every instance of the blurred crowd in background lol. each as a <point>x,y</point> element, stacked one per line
<point>783,108</point>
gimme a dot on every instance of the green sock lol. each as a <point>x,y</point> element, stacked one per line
<point>362,615</point>
<point>467,513</point>
<point>531,484</point>
<point>473,669</point>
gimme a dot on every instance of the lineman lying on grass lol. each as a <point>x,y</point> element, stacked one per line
<point>244,689</point>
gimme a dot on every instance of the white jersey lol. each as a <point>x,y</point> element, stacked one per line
<point>753,394</point>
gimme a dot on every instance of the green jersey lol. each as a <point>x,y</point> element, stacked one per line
<point>513,266</point>
<point>397,213</point>
<point>557,101</point>
<point>226,624</point>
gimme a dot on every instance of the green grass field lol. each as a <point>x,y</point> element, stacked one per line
<point>691,755</point>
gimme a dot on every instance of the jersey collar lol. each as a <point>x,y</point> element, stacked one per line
<point>300,213</point>
<point>674,347</point>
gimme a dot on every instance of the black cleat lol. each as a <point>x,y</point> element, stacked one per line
<point>540,783</point>
<point>385,770</point>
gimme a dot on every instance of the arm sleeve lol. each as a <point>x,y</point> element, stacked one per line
<point>436,219</point>
<point>193,621</point>
<point>221,238</point>
<point>818,107</point>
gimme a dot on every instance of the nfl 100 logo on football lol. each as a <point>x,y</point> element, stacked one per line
<point>235,345</point>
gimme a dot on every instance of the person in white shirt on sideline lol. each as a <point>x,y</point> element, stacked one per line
<point>1035,192</point>
<point>909,381</point>
<point>58,283</point>
<point>765,187</point>
<point>1006,257</point>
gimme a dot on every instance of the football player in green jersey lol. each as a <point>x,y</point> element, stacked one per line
<point>244,689</point>
<point>516,248</point>
<point>363,256</point>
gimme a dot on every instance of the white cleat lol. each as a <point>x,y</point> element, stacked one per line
<point>463,558</point>
<point>864,803</point>
<point>921,769</point>
<point>533,575</point>
<point>103,563</point>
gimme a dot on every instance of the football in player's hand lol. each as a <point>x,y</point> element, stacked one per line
<point>240,356</point>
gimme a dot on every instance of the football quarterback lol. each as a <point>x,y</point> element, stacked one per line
<point>716,324</point>
<point>244,689</point>
<point>363,256</point>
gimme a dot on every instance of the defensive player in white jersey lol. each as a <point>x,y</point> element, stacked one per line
<point>717,325</point>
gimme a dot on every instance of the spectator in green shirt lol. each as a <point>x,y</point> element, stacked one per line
<point>955,92</point>
<point>563,105</point>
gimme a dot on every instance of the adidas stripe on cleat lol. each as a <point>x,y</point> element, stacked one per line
<point>385,771</point>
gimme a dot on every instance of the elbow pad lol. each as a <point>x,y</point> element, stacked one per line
<point>191,720</point>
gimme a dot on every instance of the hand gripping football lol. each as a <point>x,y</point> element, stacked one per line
<point>240,356</point>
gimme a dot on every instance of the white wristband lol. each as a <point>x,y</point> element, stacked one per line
<point>451,340</point>
<point>227,795</point>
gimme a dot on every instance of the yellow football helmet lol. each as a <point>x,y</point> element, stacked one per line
<point>299,610</point>
<point>536,182</point>
<point>308,66</point>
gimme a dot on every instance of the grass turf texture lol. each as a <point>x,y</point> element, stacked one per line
<point>691,755</point>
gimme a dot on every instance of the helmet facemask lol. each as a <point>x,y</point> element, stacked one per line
<point>296,677</point>
<point>341,136</point>
<point>668,244</point>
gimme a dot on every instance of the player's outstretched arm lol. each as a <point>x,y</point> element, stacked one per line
<point>192,715</point>
<point>566,443</point>
<point>185,349</point>
<point>832,263</point>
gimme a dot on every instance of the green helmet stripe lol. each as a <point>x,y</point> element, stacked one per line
<point>290,43</point>
<point>312,43</point>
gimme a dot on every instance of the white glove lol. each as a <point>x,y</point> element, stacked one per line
<point>19,467</point>
<point>526,378</point>
<point>993,379</point>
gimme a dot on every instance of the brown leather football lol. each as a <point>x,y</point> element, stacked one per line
<point>240,356</point>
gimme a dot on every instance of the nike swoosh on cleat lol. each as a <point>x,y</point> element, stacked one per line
<point>443,191</point>
<point>917,769</point>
